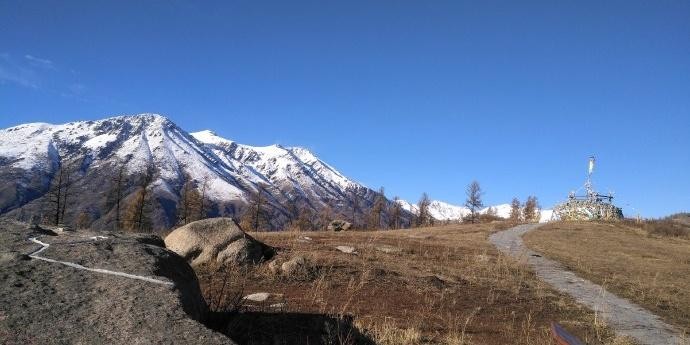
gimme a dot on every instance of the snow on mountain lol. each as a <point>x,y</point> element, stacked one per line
<point>294,170</point>
<point>230,171</point>
<point>444,211</point>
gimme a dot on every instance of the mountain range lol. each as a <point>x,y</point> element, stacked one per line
<point>231,174</point>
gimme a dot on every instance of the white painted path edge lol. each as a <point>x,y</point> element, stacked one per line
<point>623,316</point>
<point>45,246</point>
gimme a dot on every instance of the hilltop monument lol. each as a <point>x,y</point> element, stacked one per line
<point>591,206</point>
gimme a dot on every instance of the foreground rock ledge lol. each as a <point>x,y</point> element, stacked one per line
<point>51,303</point>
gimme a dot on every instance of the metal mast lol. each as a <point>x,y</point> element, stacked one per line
<point>591,194</point>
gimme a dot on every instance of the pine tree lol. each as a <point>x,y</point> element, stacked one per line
<point>474,200</point>
<point>515,210</point>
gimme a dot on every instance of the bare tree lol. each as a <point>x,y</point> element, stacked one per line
<point>354,197</point>
<point>377,211</point>
<point>530,212</point>
<point>423,216</point>
<point>203,204</point>
<point>395,214</point>
<point>515,210</point>
<point>256,213</point>
<point>59,192</point>
<point>305,220</point>
<point>474,200</point>
<point>117,192</point>
<point>325,215</point>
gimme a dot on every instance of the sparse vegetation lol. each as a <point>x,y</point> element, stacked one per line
<point>439,285</point>
<point>638,261</point>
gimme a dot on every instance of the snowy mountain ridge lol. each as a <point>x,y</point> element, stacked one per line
<point>30,155</point>
<point>444,211</point>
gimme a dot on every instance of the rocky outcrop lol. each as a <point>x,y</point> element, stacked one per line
<point>77,288</point>
<point>339,225</point>
<point>216,240</point>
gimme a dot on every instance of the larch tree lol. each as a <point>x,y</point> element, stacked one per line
<point>395,214</point>
<point>474,200</point>
<point>190,202</point>
<point>138,212</point>
<point>530,212</point>
<point>59,192</point>
<point>118,184</point>
<point>256,213</point>
<point>326,215</point>
<point>515,210</point>
<point>423,216</point>
<point>354,198</point>
<point>377,211</point>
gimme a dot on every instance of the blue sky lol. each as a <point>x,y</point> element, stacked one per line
<point>413,96</point>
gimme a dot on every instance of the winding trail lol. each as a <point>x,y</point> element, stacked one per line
<point>625,317</point>
<point>44,246</point>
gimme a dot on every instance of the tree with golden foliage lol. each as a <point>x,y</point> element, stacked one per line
<point>530,213</point>
<point>515,211</point>
<point>423,217</point>
<point>190,203</point>
<point>138,211</point>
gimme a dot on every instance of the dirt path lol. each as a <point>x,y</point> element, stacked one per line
<point>625,317</point>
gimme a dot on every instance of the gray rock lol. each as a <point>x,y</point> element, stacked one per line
<point>81,290</point>
<point>347,249</point>
<point>216,240</point>
<point>388,249</point>
<point>293,266</point>
<point>339,225</point>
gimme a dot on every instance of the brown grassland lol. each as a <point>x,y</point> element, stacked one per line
<point>439,285</point>
<point>648,263</point>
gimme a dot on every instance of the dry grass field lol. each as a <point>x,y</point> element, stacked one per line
<point>441,285</point>
<point>646,263</point>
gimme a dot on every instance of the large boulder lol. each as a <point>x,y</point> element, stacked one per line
<point>96,289</point>
<point>216,240</point>
<point>339,225</point>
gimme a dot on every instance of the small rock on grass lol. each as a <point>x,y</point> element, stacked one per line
<point>258,297</point>
<point>388,249</point>
<point>347,249</point>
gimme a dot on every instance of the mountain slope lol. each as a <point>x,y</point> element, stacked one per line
<point>288,179</point>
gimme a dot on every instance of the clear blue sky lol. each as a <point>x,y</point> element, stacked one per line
<point>415,96</point>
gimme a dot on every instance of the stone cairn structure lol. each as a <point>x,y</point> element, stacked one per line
<point>591,206</point>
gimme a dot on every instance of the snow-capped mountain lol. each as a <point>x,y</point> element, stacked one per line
<point>444,211</point>
<point>288,178</point>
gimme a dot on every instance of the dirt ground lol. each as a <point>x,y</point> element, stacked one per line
<point>650,270</point>
<point>441,285</point>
